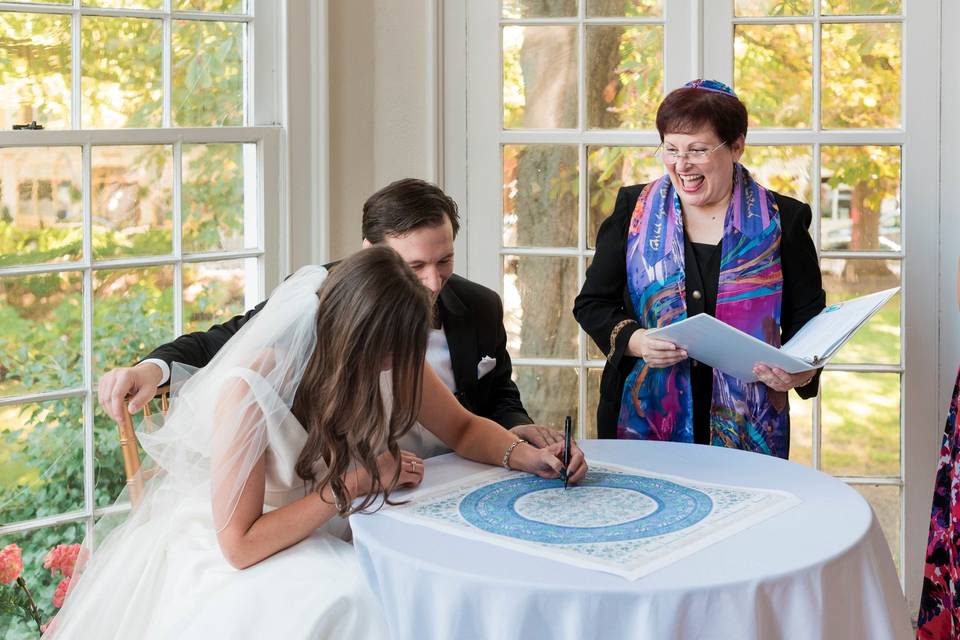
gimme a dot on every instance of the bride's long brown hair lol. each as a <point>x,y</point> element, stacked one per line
<point>373,313</point>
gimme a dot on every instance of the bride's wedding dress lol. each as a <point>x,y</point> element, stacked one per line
<point>161,573</point>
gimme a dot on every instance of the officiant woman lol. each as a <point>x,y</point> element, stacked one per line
<point>703,238</point>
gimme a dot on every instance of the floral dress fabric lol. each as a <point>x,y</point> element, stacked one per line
<point>939,617</point>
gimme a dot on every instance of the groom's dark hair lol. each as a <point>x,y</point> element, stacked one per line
<point>406,205</point>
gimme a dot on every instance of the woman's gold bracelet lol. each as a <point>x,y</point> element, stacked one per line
<point>614,334</point>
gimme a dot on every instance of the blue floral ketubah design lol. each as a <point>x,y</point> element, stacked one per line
<point>611,516</point>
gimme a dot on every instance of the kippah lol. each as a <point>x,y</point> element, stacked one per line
<point>710,85</point>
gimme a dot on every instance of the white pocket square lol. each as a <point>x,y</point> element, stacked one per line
<point>485,366</point>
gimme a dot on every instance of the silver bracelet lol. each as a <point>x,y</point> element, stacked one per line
<point>506,454</point>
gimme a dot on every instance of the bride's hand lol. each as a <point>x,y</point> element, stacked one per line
<point>547,462</point>
<point>411,468</point>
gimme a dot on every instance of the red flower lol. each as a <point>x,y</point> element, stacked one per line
<point>11,563</point>
<point>60,593</point>
<point>62,558</point>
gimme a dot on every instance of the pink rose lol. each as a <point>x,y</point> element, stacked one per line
<point>11,563</point>
<point>62,558</point>
<point>60,593</point>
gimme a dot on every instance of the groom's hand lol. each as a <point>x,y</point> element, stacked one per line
<point>140,382</point>
<point>537,435</point>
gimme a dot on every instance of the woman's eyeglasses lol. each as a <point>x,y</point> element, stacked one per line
<point>694,156</point>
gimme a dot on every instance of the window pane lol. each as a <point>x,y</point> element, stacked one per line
<point>767,59</point>
<point>124,4</point>
<point>860,198</point>
<point>540,192</point>
<point>132,314</point>
<point>859,7</point>
<point>538,295</point>
<point>122,78</point>
<point>35,544</point>
<point>860,75</point>
<point>641,8</point>
<point>784,169</point>
<point>539,9</point>
<point>773,7</point>
<point>41,460</point>
<point>35,78</point>
<point>624,76</point>
<point>40,207</point>
<point>593,401</point>
<point>131,202</point>
<point>540,77</point>
<point>801,430</point>
<point>609,169</point>
<point>860,423</point>
<point>208,73</point>
<point>219,197</point>
<point>214,6</point>
<point>549,394</point>
<point>885,501</point>
<point>878,341</point>
<point>41,333</point>
<point>213,292</point>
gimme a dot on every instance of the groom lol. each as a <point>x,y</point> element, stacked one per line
<point>468,344</point>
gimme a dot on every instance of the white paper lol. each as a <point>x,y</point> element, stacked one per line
<point>723,347</point>
<point>624,521</point>
<point>825,333</point>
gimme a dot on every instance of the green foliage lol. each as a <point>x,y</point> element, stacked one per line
<point>21,246</point>
<point>212,197</point>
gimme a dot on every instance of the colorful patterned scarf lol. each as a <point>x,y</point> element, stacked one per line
<point>939,616</point>
<point>656,402</point>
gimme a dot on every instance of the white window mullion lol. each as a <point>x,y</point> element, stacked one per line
<point>682,56</point>
<point>817,33</point>
<point>581,48</point>
<point>249,75</point>
<point>485,115</point>
<point>166,72</point>
<point>923,178</point>
<point>718,41</point>
<point>89,442</point>
<point>177,223</point>
<point>75,70</point>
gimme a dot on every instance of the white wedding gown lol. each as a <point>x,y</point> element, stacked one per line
<point>163,575</point>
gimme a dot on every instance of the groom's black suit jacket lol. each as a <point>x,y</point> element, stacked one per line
<point>472,318</point>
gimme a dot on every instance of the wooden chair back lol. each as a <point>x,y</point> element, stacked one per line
<point>129,449</point>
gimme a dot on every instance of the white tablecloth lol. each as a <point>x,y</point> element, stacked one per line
<point>820,570</point>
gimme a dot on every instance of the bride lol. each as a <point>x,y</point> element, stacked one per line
<point>265,452</point>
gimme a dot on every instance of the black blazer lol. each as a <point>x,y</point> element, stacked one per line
<point>472,317</point>
<point>604,299</point>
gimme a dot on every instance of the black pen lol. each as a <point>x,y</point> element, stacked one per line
<point>567,428</point>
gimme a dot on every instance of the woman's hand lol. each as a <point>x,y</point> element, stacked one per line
<point>656,353</point>
<point>548,461</point>
<point>779,380</point>
<point>411,470</point>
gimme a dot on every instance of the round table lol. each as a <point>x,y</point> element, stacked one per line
<point>821,569</point>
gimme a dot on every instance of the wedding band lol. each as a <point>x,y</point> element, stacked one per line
<point>413,466</point>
